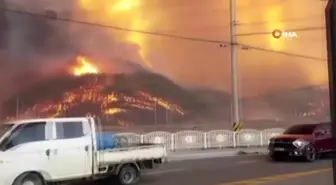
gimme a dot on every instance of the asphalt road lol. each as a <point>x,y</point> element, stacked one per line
<point>323,178</point>
<point>242,170</point>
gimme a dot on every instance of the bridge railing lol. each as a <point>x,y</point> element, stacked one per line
<point>214,139</point>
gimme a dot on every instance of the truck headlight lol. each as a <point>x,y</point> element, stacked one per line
<point>300,143</point>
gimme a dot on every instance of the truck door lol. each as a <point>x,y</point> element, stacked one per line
<point>29,142</point>
<point>71,147</point>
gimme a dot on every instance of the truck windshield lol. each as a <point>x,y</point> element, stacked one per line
<point>23,133</point>
<point>6,135</point>
<point>4,128</point>
<point>4,132</point>
<point>301,129</point>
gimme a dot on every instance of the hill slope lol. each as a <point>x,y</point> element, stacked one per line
<point>136,98</point>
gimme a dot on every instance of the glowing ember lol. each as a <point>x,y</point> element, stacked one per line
<point>109,103</point>
<point>84,67</point>
<point>112,111</point>
<point>91,98</point>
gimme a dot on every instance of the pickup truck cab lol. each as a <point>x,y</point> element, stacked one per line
<point>57,150</point>
<point>306,141</point>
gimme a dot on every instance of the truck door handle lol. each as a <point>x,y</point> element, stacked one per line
<point>86,148</point>
<point>55,151</point>
<point>47,152</point>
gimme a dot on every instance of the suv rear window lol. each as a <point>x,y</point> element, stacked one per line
<point>301,129</point>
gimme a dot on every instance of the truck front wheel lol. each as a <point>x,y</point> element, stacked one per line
<point>128,175</point>
<point>29,179</point>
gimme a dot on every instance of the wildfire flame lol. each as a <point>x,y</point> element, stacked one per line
<point>110,103</point>
<point>126,13</point>
<point>85,66</point>
<point>107,102</point>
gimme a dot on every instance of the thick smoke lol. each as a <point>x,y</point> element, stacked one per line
<point>35,47</point>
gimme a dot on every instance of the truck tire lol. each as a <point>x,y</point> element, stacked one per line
<point>128,175</point>
<point>29,179</point>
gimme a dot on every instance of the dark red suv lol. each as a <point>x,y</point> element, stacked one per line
<point>306,141</point>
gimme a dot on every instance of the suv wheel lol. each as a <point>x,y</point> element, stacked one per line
<point>311,154</point>
<point>276,157</point>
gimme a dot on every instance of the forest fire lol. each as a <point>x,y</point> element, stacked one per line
<point>92,93</point>
<point>84,66</point>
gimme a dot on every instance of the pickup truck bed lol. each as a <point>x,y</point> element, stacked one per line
<point>131,153</point>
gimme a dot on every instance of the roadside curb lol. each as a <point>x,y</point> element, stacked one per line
<point>182,156</point>
<point>260,151</point>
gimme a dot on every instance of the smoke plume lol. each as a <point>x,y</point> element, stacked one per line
<point>32,47</point>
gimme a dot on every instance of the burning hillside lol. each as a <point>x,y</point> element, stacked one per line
<point>139,97</point>
<point>84,67</point>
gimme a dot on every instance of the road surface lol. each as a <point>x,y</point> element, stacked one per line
<point>323,178</point>
<point>241,170</point>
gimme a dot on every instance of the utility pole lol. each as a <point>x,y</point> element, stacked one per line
<point>3,27</point>
<point>234,66</point>
<point>155,113</point>
<point>330,17</point>
<point>167,116</point>
<point>17,106</point>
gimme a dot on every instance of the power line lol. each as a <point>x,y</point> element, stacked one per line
<point>283,53</point>
<point>290,20</point>
<point>270,32</point>
<point>227,26</point>
<point>53,16</point>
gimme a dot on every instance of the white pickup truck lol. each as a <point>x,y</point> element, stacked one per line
<point>56,150</point>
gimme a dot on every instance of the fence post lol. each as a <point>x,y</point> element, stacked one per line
<point>234,139</point>
<point>205,140</point>
<point>142,138</point>
<point>261,138</point>
<point>172,141</point>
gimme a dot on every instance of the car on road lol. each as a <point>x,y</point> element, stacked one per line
<point>305,141</point>
<point>57,150</point>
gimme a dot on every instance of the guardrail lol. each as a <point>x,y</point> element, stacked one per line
<point>214,139</point>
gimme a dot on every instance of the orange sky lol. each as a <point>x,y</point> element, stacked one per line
<point>206,64</point>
